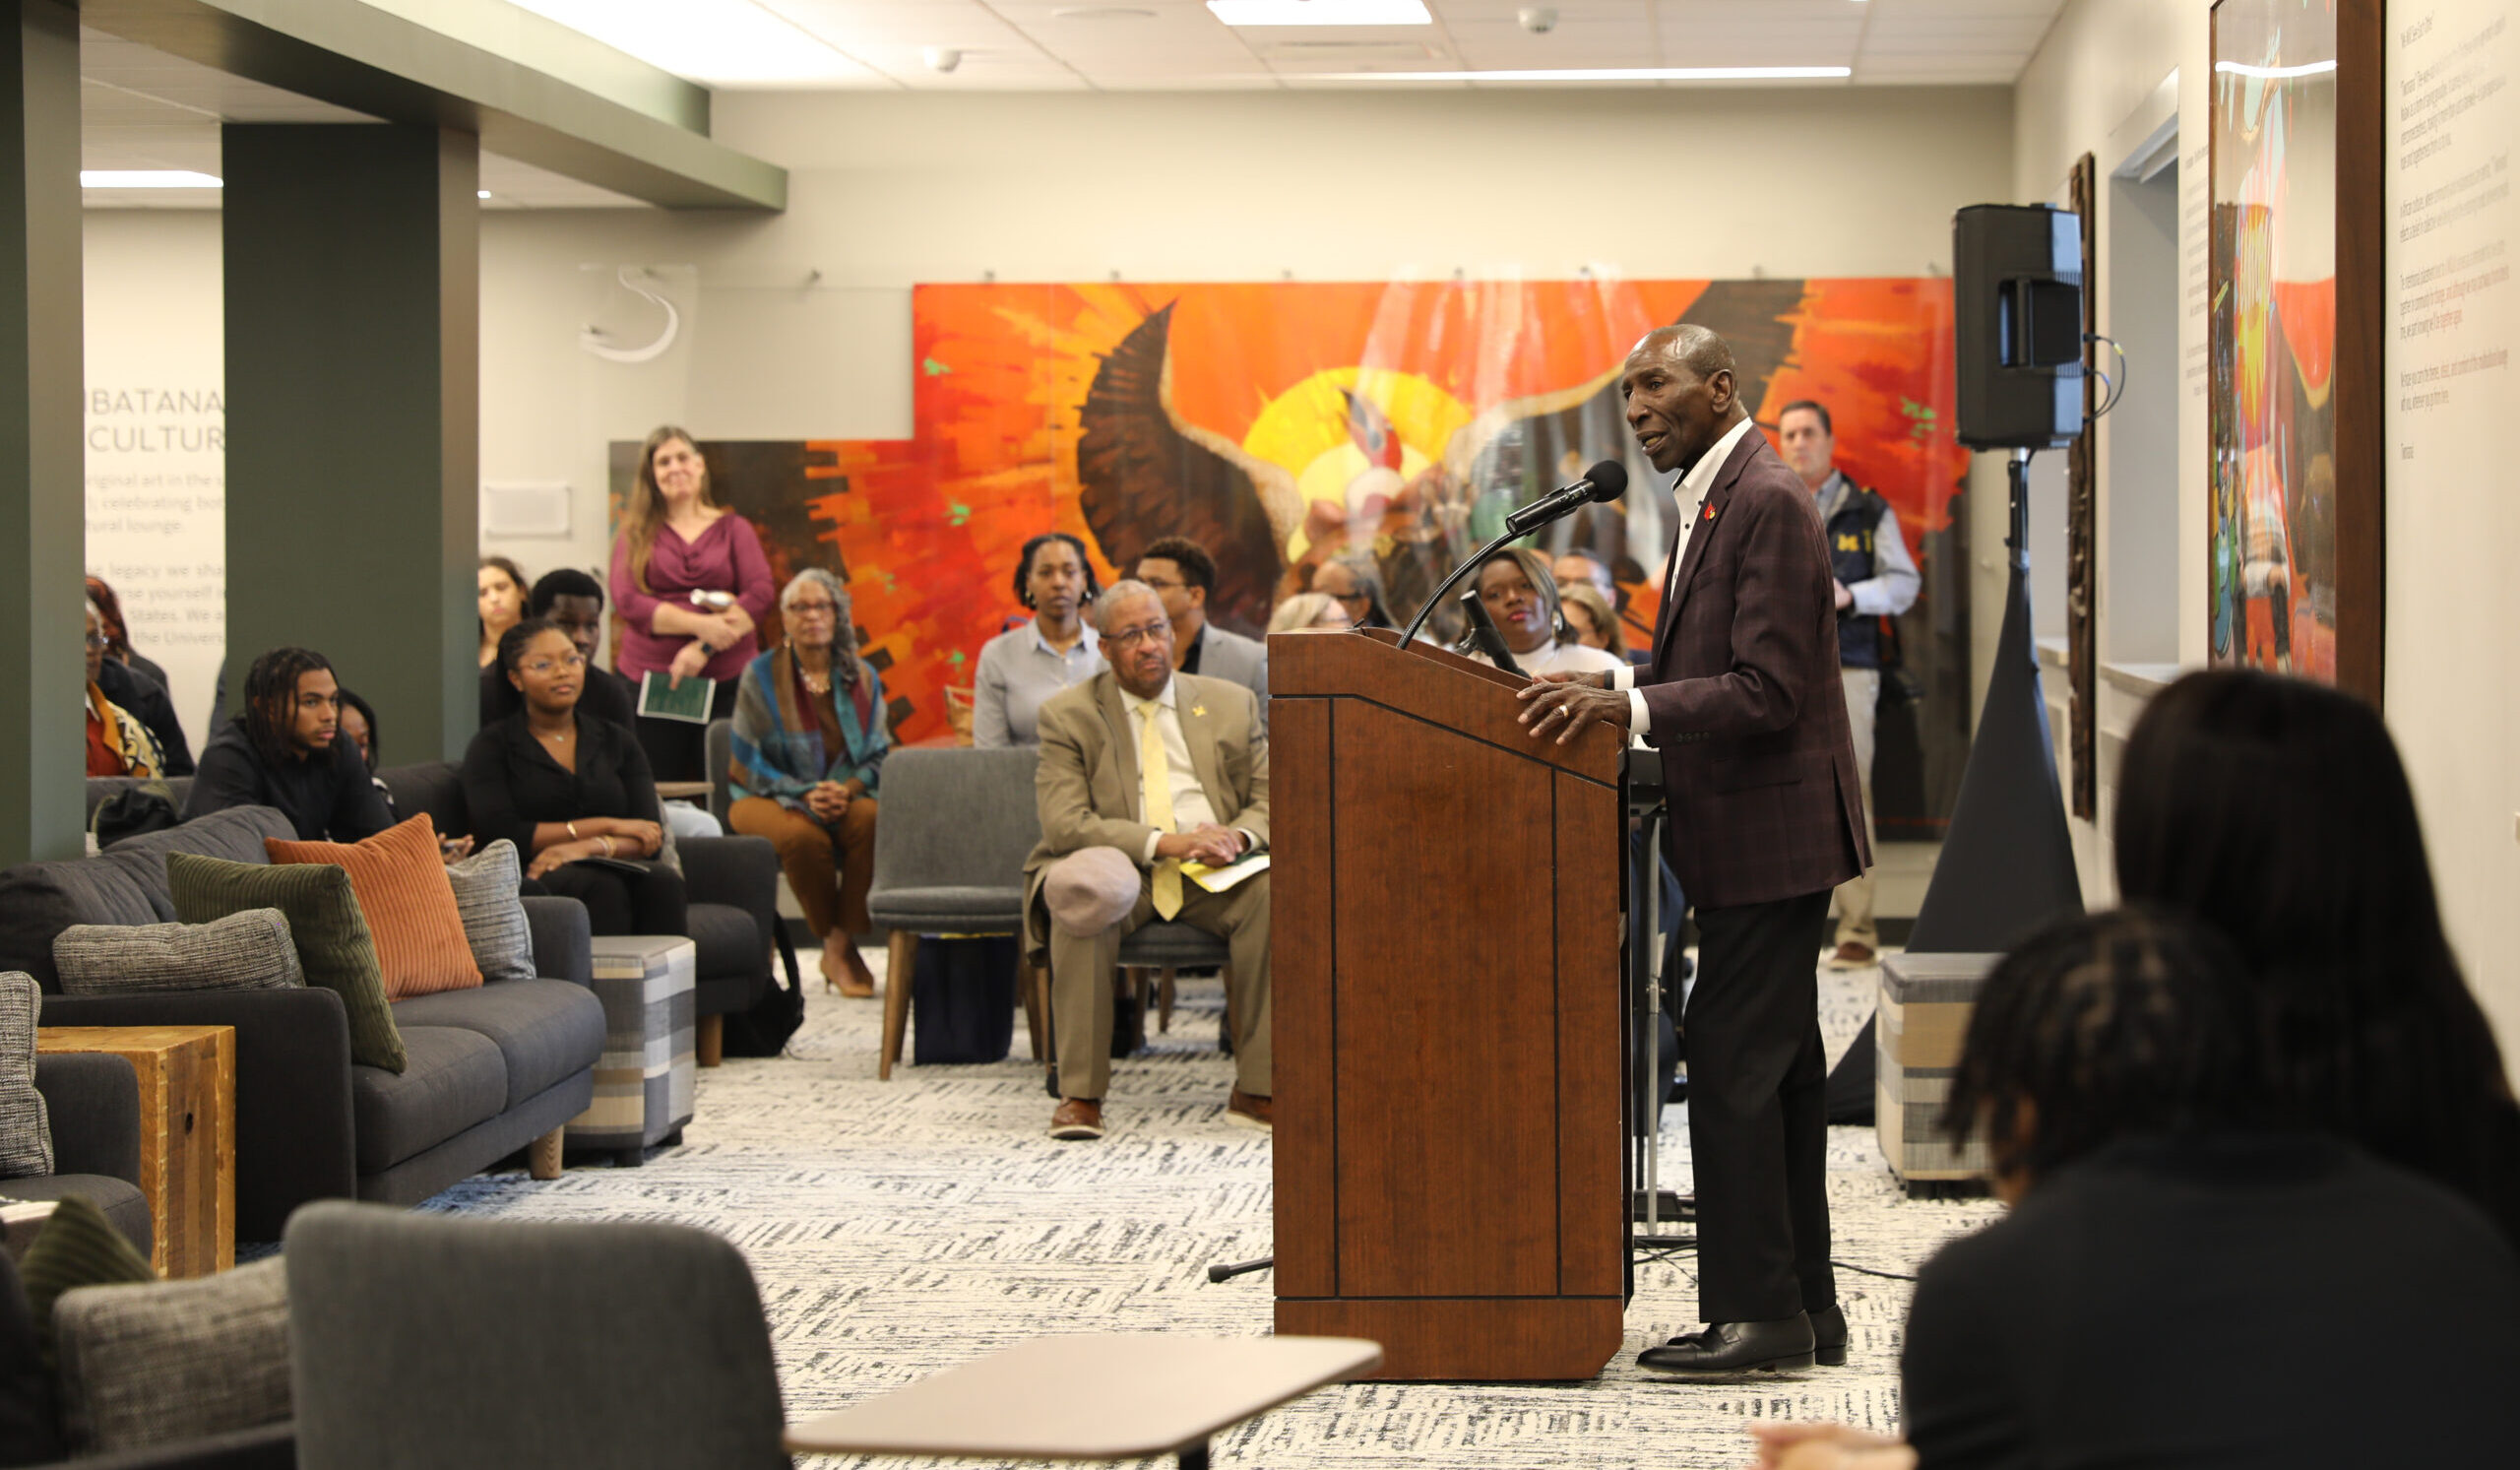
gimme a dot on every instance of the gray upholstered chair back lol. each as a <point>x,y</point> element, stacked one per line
<point>421,1342</point>
<point>721,749</point>
<point>958,823</point>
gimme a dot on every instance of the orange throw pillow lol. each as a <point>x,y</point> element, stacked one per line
<point>403,892</point>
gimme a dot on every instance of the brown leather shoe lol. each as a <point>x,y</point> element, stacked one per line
<point>1245,1111</point>
<point>1853,956</point>
<point>1077,1119</point>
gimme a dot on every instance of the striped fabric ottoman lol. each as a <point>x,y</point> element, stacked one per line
<point>1924,1016</point>
<point>643,1085</point>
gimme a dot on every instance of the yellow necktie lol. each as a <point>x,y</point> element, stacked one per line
<point>1154,771</point>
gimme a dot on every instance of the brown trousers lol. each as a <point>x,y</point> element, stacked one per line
<point>1081,976</point>
<point>830,868</point>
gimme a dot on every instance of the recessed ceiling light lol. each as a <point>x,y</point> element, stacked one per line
<point>1604,74</point>
<point>1321,12</point>
<point>482,193</point>
<point>1100,13</point>
<point>146,178</point>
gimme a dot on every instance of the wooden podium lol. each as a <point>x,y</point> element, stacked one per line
<point>1446,896</point>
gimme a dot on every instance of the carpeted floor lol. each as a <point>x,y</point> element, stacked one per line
<point>898,1227</point>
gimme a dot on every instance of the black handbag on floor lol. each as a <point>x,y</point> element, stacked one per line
<point>763,1031</point>
<point>963,1000</point>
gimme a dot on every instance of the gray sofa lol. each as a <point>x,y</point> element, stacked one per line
<point>491,1069</point>
<point>93,1103</point>
<point>732,883</point>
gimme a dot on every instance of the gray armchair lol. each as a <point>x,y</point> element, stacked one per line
<point>93,1103</point>
<point>958,823</point>
<point>423,1342</point>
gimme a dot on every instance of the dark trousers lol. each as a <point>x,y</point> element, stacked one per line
<point>677,749</point>
<point>1758,1123</point>
<point>620,903</point>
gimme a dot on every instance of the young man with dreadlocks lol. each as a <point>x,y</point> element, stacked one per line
<point>281,752</point>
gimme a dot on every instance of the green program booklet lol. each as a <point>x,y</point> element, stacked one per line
<point>659,697</point>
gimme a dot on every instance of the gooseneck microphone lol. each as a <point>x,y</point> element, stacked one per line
<point>1600,484</point>
<point>1607,481</point>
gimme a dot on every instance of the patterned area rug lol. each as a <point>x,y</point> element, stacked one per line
<point>900,1228</point>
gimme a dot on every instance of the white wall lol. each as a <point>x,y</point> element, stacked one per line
<point>2103,83</point>
<point>888,190</point>
<point>157,478</point>
<point>2453,679</point>
<point>2453,682</point>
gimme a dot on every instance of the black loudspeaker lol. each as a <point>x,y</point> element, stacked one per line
<point>2017,286</point>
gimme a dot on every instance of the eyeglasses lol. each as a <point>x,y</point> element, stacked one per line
<point>1351,597</point>
<point>1131,637</point>
<point>97,640</point>
<point>569,662</point>
<point>1161,584</point>
<point>818,610</point>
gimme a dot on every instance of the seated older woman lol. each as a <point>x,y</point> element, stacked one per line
<point>810,742</point>
<point>1309,610</point>
<point>566,786</point>
<point>1521,596</point>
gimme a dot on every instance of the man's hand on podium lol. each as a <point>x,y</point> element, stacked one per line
<point>1562,704</point>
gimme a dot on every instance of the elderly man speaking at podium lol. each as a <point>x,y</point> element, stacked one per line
<point>1744,700</point>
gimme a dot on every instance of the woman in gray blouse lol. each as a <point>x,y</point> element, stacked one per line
<point>1024,667</point>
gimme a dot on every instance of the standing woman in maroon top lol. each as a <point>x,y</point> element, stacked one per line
<point>676,540</point>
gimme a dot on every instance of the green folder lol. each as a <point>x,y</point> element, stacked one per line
<point>690,702</point>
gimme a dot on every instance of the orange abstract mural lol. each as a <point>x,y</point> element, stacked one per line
<point>1278,424</point>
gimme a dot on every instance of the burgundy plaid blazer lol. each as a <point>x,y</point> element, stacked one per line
<point>1744,697</point>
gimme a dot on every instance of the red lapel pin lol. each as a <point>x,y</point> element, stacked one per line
<point>1710,512</point>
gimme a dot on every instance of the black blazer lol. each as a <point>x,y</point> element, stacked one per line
<point>2229,1300</point>
<point>511,783</point>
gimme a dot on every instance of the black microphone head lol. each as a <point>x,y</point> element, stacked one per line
<point>1608,480</point>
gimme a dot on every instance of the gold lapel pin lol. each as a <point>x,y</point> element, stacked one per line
<point>1199,711</point>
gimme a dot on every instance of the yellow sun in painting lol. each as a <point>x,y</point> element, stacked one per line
<point>1310,432</point>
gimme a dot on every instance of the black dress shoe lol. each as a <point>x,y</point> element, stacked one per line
<point>1829,1336</point>
<point>1726,1350</point>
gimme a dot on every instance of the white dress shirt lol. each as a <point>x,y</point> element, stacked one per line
<point>1191,808</point>
<point>1553,657</point>
<point>1689,494</point>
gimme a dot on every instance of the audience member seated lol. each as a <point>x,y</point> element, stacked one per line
<point>573,793</point>
<point>2277,811</point>
<point>691,583</point>
<point>1584,565</point>
<point>1123,807</point>
<point>118,633</point>
<point>810,742</point>
<point>1184,575</point>
<point>2144,1303</point>
<point>1521,598</point>
<point>1355,584</point>
<point>137,685</point>
<point>118,743</point>
<point>572,602</point>
<point>1024,667</point>
<point>1309,610</point>
<point>283,750</point>
<point>1590,617</point>
<point>499,599</point>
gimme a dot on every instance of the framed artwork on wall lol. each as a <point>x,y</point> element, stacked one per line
<point>2296,481</point>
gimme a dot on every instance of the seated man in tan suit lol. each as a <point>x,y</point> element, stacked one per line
<point>1113,842</point>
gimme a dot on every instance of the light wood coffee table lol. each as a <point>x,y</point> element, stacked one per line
<point>1103,1396</point>
<point>187,1134</point>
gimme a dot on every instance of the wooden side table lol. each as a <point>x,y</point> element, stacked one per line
<point>1094,1396</point>
<point>187,1134</point>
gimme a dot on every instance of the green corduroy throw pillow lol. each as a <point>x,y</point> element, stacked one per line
<point>333,946</point>
<point>78,1246</point>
